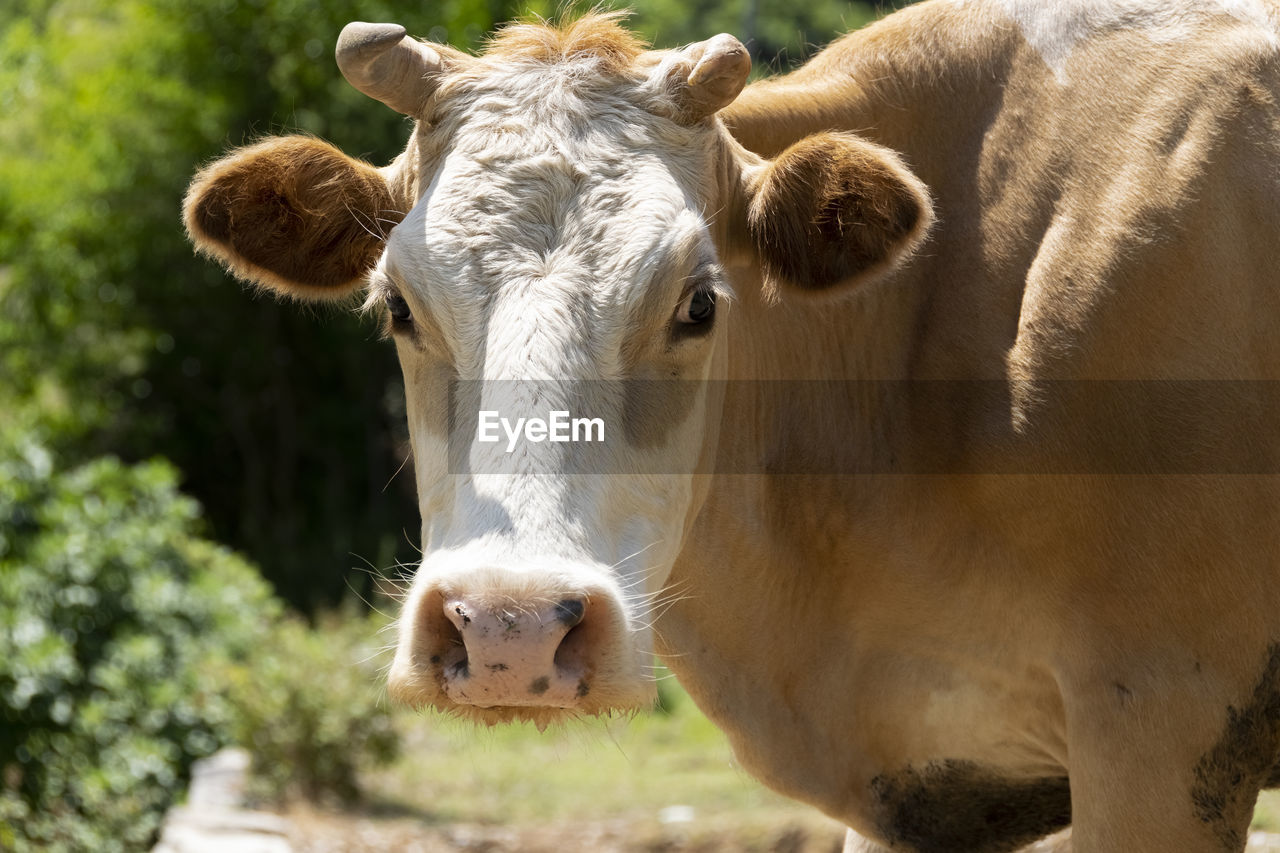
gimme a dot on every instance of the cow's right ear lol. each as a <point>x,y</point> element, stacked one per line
<point>293,214</point>
<point>833,211</point>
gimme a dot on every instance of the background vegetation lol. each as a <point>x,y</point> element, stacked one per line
<point>130,646</point>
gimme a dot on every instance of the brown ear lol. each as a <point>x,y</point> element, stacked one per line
<point>834,210</point>
<point>293,214</point>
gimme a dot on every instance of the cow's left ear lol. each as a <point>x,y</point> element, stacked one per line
<point>833,211</point>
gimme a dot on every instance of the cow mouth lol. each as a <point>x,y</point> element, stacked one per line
<point>612,700</point>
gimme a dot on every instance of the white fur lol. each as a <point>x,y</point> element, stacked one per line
<point>534,247</point>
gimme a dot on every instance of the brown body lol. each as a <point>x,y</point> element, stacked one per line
<point>1016,564</point>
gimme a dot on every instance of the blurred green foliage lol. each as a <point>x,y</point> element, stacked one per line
<point>112,611</point>
<point>285,424</point>
<point>778,34</point>
<point>130,646</point>
<point>311,708</point>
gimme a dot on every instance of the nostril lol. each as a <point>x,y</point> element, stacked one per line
<point>450,650</point>
<point>569,611</point>
<point>458,614</point>
<point>573,650</point>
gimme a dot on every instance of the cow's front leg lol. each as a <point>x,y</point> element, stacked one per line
<point>1154,770</point>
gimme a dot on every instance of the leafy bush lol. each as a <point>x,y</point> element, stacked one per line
<point>130,646</point>
<point>112,614</point>
<point>312,709</point>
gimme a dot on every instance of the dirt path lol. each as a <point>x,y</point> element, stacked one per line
<point>327,832</point>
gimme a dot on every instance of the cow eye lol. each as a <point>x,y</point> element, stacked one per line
<point>698,307</point>
<point>398,307</point>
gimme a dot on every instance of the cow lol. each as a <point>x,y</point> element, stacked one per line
<point>942,459</point>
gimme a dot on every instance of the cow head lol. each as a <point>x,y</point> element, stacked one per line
<point>555,238</point>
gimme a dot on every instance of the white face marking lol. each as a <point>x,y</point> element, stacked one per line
<point>1056,28</point>
<point>554,242</point>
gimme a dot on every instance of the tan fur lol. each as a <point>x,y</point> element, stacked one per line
<point>1118,227</point>
<point>595,36</point>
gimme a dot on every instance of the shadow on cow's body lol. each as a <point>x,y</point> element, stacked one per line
<point>1018,569</point>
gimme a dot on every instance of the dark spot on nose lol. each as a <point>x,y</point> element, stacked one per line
<point>539,686</point>
<point>466,620</point>
<point>497,667</point>
<point>583,688</point>
<point>569,611</point>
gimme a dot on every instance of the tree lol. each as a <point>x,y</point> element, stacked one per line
<point>283,422</point>
<point>777,34</point>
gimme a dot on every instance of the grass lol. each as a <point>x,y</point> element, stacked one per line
<point>1266,817</point>
<point>655,769</point>
<point>631,770</point>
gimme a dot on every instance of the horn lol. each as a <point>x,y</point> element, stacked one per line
<point>381,61</point>
<point>720,66</point>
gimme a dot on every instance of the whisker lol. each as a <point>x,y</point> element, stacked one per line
<point>417,548</point>
<point>366,601</point>
<point>635,553</point>
<point>403,463</point>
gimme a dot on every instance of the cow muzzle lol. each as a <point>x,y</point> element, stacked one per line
<point>501,645</point>
<point>516,654</point>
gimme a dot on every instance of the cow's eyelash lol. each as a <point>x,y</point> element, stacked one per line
<point>707,275</point>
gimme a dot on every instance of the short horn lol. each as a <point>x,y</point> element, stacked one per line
<point>717,70</point>
<point>385,64</point>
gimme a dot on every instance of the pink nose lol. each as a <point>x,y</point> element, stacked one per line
<point>531,654</point>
